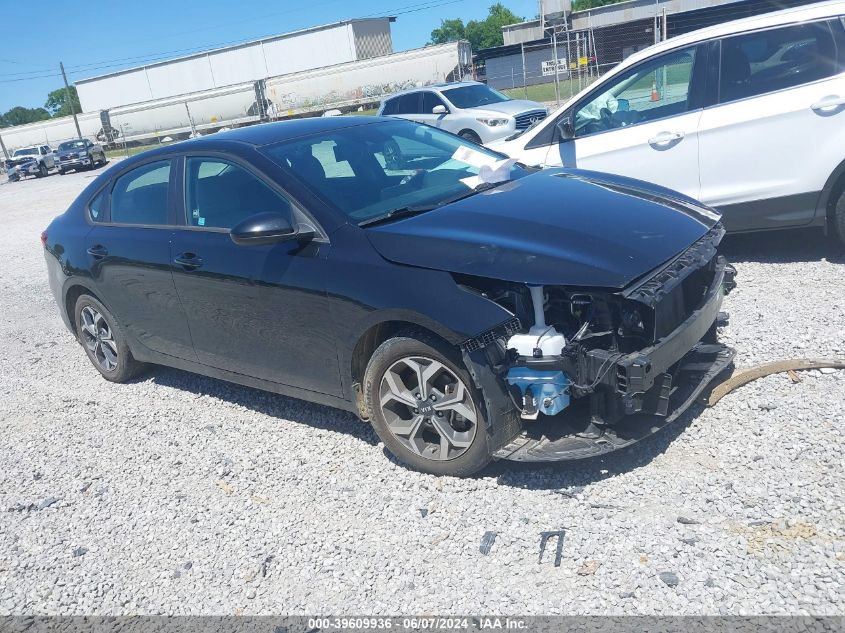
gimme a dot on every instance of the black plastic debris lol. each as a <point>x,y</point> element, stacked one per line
<point>487,542</point>
<point>544,538</point>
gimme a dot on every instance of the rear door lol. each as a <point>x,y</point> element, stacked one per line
<point>128,251</point>
<point>643,123</point>
<point>778,129</point>
<point>258,310</point>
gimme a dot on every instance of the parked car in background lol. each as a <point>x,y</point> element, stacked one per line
<point>747,116</point>
<point>375,265</point>
<point>78,154</point>
<point>469,109</point>
<point>36,161</point>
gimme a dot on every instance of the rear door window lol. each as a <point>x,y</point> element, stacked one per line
<point>141,195</point>
<point>408,103</point>
<point>777,59</point>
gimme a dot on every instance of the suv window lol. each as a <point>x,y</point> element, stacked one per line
<point>408,103</point>
<point>140,196</point>
<point>655,89</point>
<point>389,107</point>
<point>757,63</point>
<point>221,194</point>
<point>430,101</point>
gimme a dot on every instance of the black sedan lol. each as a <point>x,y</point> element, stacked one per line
<point>470,308</point>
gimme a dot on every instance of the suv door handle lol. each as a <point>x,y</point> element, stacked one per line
<point>665,139</point>
<point>828,104</point>
<point>188,260</point>
<point>98,251</point>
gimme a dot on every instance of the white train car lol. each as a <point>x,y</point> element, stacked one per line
<point>51,132</point>
<point>368,80</point>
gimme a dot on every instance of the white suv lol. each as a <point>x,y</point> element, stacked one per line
<point>747,116</point>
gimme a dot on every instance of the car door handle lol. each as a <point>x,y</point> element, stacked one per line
<point>98,251</point>
<point>829,103</point>
<point>664,139</point>
<point>188,260</point>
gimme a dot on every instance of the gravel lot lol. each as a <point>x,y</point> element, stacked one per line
<point>179,494</point>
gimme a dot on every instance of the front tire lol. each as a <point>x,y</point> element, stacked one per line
<point>104,341</point>
<point>838,218</point>
<point>424,407</point>
<point>42,170</point>
<point>471,136</point>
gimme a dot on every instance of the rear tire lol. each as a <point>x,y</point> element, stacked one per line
<point>439,428</point>
<point>62,172</point>
<point>103,341</point>
<point>471,136</point>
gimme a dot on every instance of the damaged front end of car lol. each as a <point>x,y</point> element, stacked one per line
<point>598,369</point>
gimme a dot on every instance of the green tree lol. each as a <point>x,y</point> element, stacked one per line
<point>580,5</point>
<point>20,115</point>
<point>58,105</point>
<point>448,31</point>
<point>480,33</point>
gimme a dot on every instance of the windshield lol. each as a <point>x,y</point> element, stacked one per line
<point>72,145</point>
<point>27,151</point>
<point>474,96</point>
<point>368,170</point>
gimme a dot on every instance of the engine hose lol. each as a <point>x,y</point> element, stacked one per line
<point>747,375</point>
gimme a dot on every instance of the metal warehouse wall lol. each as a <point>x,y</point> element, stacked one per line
<point>506,72</point>
<point>283,54</point>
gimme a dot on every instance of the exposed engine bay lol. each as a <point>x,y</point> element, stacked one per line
<point>610,354</point>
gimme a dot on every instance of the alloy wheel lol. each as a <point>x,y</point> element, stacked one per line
<point>428,408</point>
<point>99,338</point>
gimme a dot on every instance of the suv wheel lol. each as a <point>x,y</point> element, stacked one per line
<point>42,170</point>
<point>424,406</point>
<point>471,136</point>
<point>103,340</point>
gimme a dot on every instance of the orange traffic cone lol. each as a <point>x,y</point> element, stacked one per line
<point>654,95</point>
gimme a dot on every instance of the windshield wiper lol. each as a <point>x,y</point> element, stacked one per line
<point>401,212</point>
<point>404,212</point>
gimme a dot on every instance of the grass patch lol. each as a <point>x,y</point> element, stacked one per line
<point>546,92</point>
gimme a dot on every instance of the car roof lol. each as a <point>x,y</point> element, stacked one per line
<point>441,86</point>
<point>816,11</point>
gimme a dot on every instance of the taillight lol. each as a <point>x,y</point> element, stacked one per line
<point>43,238</point>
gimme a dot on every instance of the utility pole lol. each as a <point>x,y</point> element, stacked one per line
<point>3,147</point>
<point>70,101</point>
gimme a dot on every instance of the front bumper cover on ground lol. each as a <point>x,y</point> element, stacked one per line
<point>553,440</point>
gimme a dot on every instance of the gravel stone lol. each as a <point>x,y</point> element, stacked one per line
<point>136,469</point>
<point>669,578</point>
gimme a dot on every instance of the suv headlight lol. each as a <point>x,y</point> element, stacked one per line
<point>493,122</point>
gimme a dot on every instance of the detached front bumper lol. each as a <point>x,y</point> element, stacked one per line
<point>635,395</point>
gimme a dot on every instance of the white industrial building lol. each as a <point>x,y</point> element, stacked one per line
<point>315,47</point>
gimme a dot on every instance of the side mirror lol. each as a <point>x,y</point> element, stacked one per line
<point>565,128</point>
<point>439,109</point>
<point>267,228</point>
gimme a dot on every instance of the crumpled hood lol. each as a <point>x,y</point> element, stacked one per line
<point>556,227</point>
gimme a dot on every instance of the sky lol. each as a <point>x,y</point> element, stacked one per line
<point>93,37</point>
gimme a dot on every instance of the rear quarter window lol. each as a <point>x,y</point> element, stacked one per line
<point>97,208</point>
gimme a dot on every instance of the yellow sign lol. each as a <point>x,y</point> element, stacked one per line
<point>583,61</point>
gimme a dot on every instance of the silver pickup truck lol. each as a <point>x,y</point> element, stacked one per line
<point>36,161</point>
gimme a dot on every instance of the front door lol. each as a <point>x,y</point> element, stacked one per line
<point>259,310</point>
<point>642,124</point>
